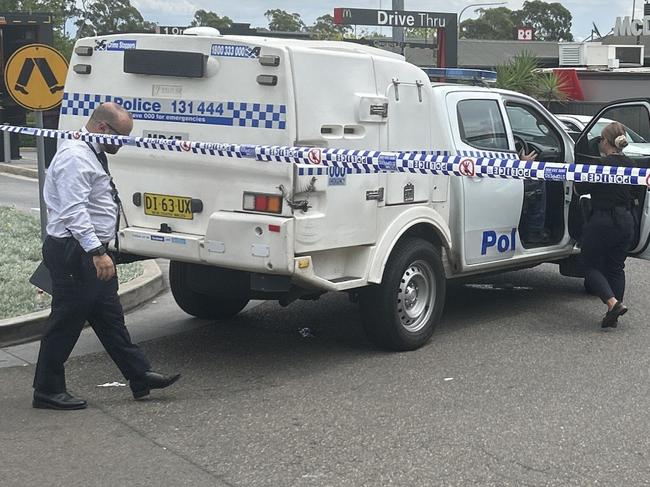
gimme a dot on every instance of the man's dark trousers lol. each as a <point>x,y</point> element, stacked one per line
<point>78,296</point>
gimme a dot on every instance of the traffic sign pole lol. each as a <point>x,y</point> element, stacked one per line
<point>40,158</point>
<point>7,147</point>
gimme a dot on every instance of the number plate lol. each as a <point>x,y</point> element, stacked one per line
<point>168,205</point>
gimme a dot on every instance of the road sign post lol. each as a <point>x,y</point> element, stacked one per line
<point>34,77</point>
<point>7,146</point>
<point>40,157</point>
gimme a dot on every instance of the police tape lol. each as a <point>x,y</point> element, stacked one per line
<point>480,164</point>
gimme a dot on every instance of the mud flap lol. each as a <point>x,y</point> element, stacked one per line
<point>572,266</point>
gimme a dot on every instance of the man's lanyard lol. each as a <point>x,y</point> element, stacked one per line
<point>103,161</point>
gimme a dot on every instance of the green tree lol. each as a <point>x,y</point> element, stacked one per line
<point>325,28</point>
<point>551,21</point>
<point>282,21</point>
<point>372,34</point>
<point>203,18</point>
<point>518,74</point>
<point>109,16</point>
<point>424,33</point>
<point>63,43</point>
<point>62,11</point>
<point>492,23</point>
<point>551,88</point>
<point>9,5</point>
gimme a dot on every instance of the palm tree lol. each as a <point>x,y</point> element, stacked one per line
<point>551,88</point>
<point>522,74</point>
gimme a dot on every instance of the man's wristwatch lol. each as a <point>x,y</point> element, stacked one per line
<point>97,251</point>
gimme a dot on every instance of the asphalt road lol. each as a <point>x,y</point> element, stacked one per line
<point>519,386</point>
<point>20,192</point>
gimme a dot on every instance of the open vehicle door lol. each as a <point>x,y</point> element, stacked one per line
<point>635,115</point>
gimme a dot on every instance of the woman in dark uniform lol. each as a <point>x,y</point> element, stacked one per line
<point>608,234</point>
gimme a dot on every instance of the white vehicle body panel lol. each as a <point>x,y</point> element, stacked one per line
<point>322,98</point>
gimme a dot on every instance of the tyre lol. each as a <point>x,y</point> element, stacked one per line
<point>199,304</point>
<point>401,313</point>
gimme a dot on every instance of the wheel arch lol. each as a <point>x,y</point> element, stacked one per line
<point>417,222</point>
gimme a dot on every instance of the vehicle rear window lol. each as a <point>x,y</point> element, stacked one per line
<point>481,124</point>
<point>164,63</point>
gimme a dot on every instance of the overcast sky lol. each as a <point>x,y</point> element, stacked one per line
<point>180,12</point>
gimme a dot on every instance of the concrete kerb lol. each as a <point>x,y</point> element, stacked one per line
<point>18,170</point>
<point>30,327</point>
<point>26,166</point>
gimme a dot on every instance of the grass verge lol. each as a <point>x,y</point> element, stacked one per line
<point>20,254</point>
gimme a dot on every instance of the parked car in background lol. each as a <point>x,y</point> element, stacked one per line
<point>638,145</point>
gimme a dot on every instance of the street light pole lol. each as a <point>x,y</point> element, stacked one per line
<point>476,5</point>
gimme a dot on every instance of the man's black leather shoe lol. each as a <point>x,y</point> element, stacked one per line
<point>62,401</point>
<point>151,380</point>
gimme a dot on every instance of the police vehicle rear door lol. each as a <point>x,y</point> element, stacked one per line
<point>330,86</point>
<point>216,89</point>
<point>635,115</point>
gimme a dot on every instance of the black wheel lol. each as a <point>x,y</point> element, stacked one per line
<point>401,313</point>
<point>199,304</point>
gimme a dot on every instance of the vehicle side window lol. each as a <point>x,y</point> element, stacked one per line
<point>635,119</point>
<point>481,124</point>
<point>532,132</point>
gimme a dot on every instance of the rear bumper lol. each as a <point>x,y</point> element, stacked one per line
<point>247,242</point>
<point>242,241</point>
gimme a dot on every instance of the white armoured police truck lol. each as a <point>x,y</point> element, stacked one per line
<point>237,229</point>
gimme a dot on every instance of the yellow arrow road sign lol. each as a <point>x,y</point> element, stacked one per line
<point>35,76</point>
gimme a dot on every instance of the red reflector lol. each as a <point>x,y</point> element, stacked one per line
<point>261,202</point>
<point>274,228</point>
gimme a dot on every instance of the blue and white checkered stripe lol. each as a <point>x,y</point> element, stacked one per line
<point>464,153</point>
<point>510,168</point>
<point>258,115</point>
<point>243,114</point>
<point>81,104</point>
<point>611,174</point>
<point>292,155</point>
<point>354,161</point>
<point>311,170</point>
<point>315,161</point>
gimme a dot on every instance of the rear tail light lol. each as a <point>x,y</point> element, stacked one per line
<point>265,203</point>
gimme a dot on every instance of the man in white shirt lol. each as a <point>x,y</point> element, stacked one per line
<point>83,208</point>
